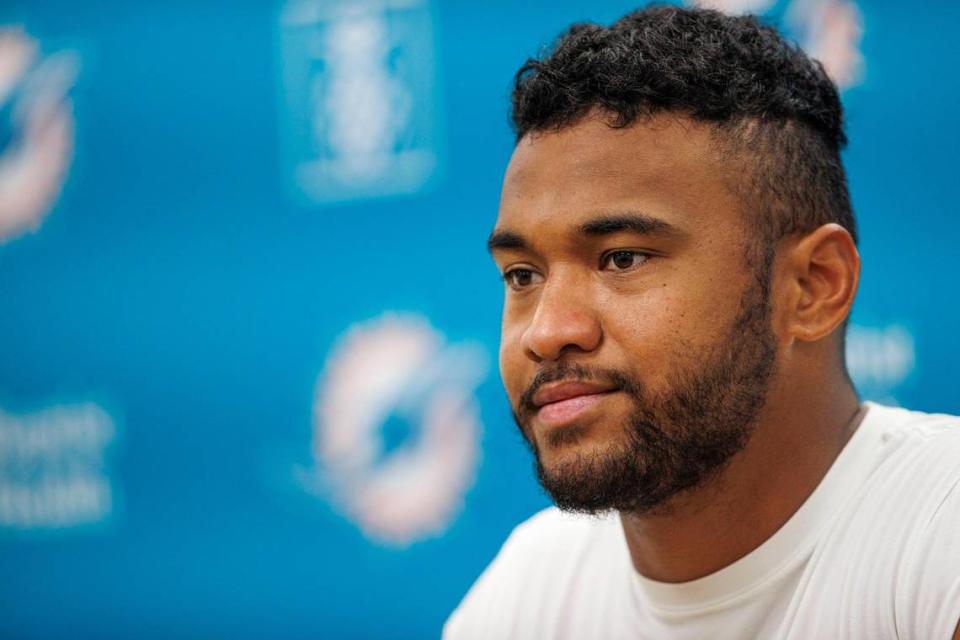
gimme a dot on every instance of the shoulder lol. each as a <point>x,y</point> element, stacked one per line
<point>919,423</point>
<point>540,560</point>
<point>909,438</point>
<point>918,485</point>
<point>915,467</point>
<point>919,444</point>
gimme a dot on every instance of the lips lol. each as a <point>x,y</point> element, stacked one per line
<point>559,392</point>
<point>564,402</point>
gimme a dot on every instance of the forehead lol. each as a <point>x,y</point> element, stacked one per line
<point>665,165</point>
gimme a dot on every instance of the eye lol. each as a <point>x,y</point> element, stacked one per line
<point>520,279</point>
<point>623,260</point>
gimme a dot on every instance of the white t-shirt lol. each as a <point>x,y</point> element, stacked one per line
<point>873,553</point>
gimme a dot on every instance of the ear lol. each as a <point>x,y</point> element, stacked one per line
<point>822,272</point>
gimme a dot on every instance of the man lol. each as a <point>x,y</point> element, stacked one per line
<point>680,259</point>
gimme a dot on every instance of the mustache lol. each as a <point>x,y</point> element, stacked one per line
<point>572,373</point>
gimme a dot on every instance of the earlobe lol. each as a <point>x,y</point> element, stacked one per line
<point>824,270</point>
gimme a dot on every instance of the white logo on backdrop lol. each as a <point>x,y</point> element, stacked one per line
<point>736,6</point>
<point>54,467</point>
<point>880,359</point>
<point>358,79</point>
<point>396,373</point>
<point>829,30</point>
<point>36,130</point>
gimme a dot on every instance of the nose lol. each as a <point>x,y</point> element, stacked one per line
<point>564,321</point>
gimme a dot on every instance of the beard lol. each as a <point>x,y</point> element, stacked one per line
<point>674,441</point>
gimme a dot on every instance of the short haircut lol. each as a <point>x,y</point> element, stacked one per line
<point>771,105</point>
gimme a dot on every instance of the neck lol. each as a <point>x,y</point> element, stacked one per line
<point>796,439</point>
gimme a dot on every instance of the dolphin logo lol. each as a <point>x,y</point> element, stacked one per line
<point>36,130</point>
<point>397,372</point>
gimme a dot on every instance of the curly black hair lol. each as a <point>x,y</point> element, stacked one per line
<point>770,103</point>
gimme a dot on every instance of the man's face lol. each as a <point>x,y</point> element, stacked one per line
<point>636,346</point>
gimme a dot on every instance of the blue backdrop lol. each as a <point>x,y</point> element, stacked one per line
<point>248,323</point>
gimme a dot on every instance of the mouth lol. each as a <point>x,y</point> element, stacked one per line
<point>564,403</point>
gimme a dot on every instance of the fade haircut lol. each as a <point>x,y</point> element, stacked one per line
<point>772,107</point>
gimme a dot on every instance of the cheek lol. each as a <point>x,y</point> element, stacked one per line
<point>513,363</point>
<point>656,333</point>
<point>643,327</point>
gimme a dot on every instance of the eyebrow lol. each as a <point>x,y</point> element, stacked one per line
<point>505,240</point>
<point>608,224</point>
<point>628,221</point>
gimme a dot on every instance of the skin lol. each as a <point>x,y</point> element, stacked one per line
<point>572,299</point>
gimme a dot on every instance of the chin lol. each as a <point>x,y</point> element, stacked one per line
<point>570,445</point>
